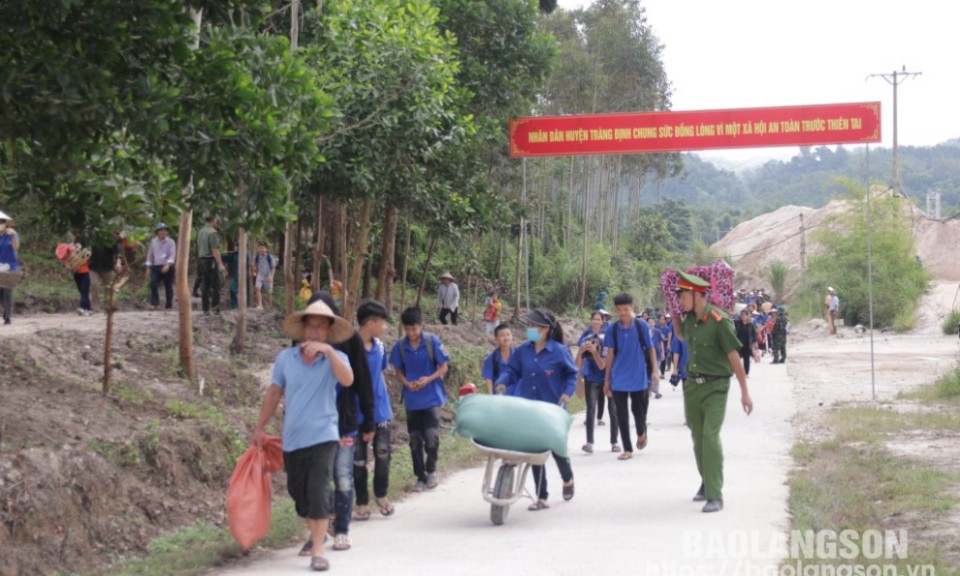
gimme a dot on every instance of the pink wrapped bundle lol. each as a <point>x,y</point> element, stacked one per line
<point>719,275</point>
<point>63,250</point>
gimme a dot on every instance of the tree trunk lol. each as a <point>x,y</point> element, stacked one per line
<point>367,278</point>
<point>406,266</point>
<point>184,297</point>
<point>289,282</point>
<point>110,296</point>
<point>240,337</point>
<point>343,265</point>
<point>516,308</point>
<point>297,256</point>
<point>359,256</point>
<point>426,268</point>
<point>387,255</point>
<point>318,250</point>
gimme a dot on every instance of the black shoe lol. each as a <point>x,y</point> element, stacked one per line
<point>701,494</point>
<point>713,506</point>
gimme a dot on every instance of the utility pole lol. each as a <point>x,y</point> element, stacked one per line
<point>894,79</point>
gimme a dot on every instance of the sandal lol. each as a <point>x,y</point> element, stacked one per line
<point>568,490</point>
<point>307,548</point>
<point>625,456</point>
<point>319,564</point>
<point>588,448</point>
<point>341,542</point>
<point>642,441</point>
<point>538,505</point>
<point>386,507</point>
<point>361,515</point>
<point>615,448</point>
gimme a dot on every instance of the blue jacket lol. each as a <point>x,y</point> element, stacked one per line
<point>544,376</point>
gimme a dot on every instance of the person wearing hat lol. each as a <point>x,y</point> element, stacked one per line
<point>9,262</point>
<point>161,257</point>
<point>306,377</point>
<point>713,356</point>
<point>778,335</point>
<point>832,305</point>
<point>448,296</point>
<point>542,369</point>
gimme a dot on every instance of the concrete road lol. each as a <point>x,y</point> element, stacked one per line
<point>634,515</point>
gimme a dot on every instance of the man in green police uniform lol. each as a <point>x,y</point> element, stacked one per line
<point>712,346</point>
<point>209,266</point>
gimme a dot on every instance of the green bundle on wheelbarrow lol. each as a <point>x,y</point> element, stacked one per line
<point>511,423</point>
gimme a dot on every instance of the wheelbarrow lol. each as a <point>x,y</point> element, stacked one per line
<point>511,476</point>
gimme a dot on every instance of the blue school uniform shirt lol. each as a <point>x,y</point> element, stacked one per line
<point>377,360</point>
<point>591,372</point>
<point>656,339</point>
<point>487,371</point>
<point>629,370</point>
<point>7,254</point>
<point>310,399</point>
<point>544,376</point>
<point>679,346</point>
<point>418,366</point>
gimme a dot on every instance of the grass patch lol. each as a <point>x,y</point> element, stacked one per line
<point>853,482</point>
<point>946,390</point>
<point>951,324</point>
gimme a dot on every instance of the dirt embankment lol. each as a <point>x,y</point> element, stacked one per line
<point>777,235</point>
<point>88,479</point>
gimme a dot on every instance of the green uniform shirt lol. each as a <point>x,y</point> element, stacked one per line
<point>710,339</point>
<point>207,240</point>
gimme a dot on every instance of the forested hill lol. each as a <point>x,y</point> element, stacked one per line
<point>813,177</point>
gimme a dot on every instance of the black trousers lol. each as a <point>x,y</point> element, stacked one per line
<point>594,393</point>
<point>454,315</point>
<point>83,286</point>
<point>381,466</point>
<point>424,429</point>
<point>746,354</point>
<point>639,402</point>
<point>540,475</point>
<point>156,277</point>
<point>210,286</point>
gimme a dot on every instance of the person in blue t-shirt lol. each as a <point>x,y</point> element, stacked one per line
<point>631,370</point>
<point>592,362</point>
<point>666,333</point>
<point>657,341</point>
<point>542,369</point>
<point>372,320</point>
<point>421,362</point>
<point>678,350</point>
<point>494,363</point>
<point>306,375</point>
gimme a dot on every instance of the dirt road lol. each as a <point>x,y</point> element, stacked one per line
<point>636,513</point>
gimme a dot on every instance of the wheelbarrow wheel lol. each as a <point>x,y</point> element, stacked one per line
<point>503,488</point>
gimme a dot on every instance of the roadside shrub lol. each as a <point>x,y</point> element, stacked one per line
<point>951,323</point>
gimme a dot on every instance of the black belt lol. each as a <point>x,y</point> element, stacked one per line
<point>705,379</point>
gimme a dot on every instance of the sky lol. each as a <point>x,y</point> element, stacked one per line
<point>760,53</point>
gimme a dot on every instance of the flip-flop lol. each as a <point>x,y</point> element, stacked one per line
<point>538,505</point>
<point>385,509</point>
<point>319,564</point>
<point>568,491</point>
<point>642,441</point>
<point>625,456</point>
<point>361,516</point>
<point>307,548</point>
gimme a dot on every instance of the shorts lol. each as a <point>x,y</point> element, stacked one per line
<point>309,476</point>
<point>265,286</point>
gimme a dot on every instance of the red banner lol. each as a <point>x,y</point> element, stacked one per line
<point>651,132</point>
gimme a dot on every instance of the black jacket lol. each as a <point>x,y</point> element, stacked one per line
<point>746,333</point>
<point>362,388</point>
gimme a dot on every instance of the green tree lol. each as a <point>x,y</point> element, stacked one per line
<point>899,280</point>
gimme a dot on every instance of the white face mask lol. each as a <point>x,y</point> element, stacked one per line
<point>3,226</point>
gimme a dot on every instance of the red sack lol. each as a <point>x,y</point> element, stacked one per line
<point>249,493</point>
